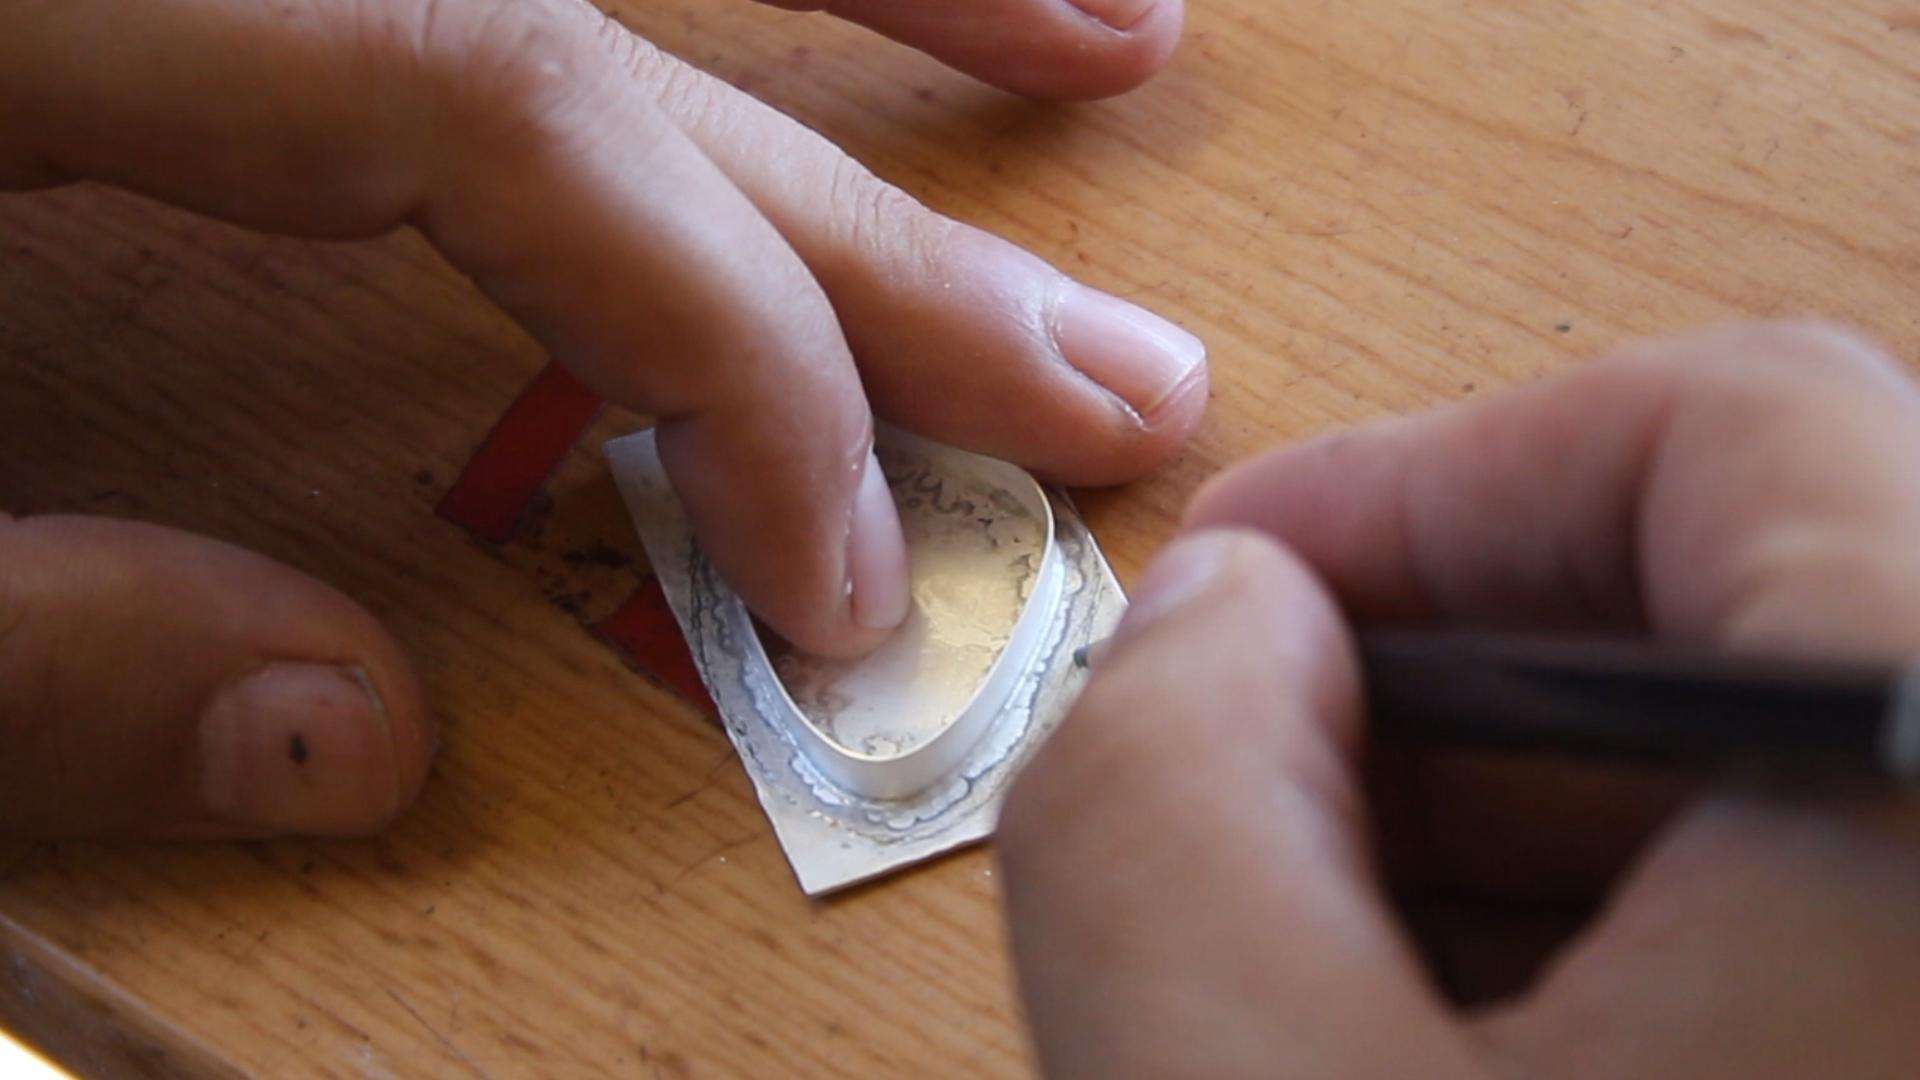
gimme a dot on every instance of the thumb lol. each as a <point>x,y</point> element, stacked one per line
<point>155,683</point>
<point>1188,882</point>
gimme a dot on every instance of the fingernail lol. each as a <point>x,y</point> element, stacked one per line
<point>1139,356</point>
<point>299,748</point>
<point>1118,14</point>
<point>877,555</point>
<point>1181,574</point>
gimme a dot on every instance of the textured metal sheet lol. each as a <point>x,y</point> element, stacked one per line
<point>843,816</point>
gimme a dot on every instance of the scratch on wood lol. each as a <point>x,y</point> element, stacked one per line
<point>445,1043</point>
<point>706,782</point>
<point>720,852</point>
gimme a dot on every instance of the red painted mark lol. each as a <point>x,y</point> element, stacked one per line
<point>502,479</point>
<point>644,631</point>
<point>531,440</point>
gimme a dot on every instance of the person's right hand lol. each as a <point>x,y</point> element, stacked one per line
<point>1194,881</point>
<point>687,251</point>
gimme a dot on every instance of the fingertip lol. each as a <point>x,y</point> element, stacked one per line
<point>1054,49</point>
<point>334,677</point>
<point>1260,623</point>
<point>1161,434</point>
<point>412,729</point>
<point>1152,41</point>
<point>1122,54</point>
<point>802,526</point>
<point>1267,492</point>
<point>192,688</point>
<point>308,748</point>
<point>1226,631</point>
<point>1807,348</point>
<point>877,587</point>
<point>1265,595</point>
<point>878,591</point>
<point>1144,360</point>
<point>833,637</point>
<point>1206,507</point>
<point>1345,504</point>
<point>1117,735</point>
<point>1119,445</point>
<point>1151,372</point>
<point>1194,564</point>
<point>969,339</point>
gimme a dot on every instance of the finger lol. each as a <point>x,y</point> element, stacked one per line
<point>154,683</point>
<point>1470,826</point>
<point>959,335</point>
<point>1044,48</point>
<point>1779,931</point>
<point>1754,485</point>
<point>514,136</point>
<point>1187,880</point>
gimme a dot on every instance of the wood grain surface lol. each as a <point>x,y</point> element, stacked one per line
<point>1365,208</point>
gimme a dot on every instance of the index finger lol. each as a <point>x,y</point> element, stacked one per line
<point>1756,486</point>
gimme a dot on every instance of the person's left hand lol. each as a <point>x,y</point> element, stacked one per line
<point>685,250</point>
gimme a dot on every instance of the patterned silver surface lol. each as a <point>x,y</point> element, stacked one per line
<point>833,836</point>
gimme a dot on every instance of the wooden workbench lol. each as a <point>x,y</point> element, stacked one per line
<point>1365,208</point>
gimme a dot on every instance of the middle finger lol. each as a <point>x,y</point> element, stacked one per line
<point>959,335</point>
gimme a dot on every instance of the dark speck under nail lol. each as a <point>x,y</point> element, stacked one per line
<point>297,749</point>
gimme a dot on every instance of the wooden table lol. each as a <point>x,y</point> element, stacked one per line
<point>1365,208</point>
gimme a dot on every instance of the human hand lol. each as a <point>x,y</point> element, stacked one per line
<point>1194,884</point>
<point>687,251</point>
